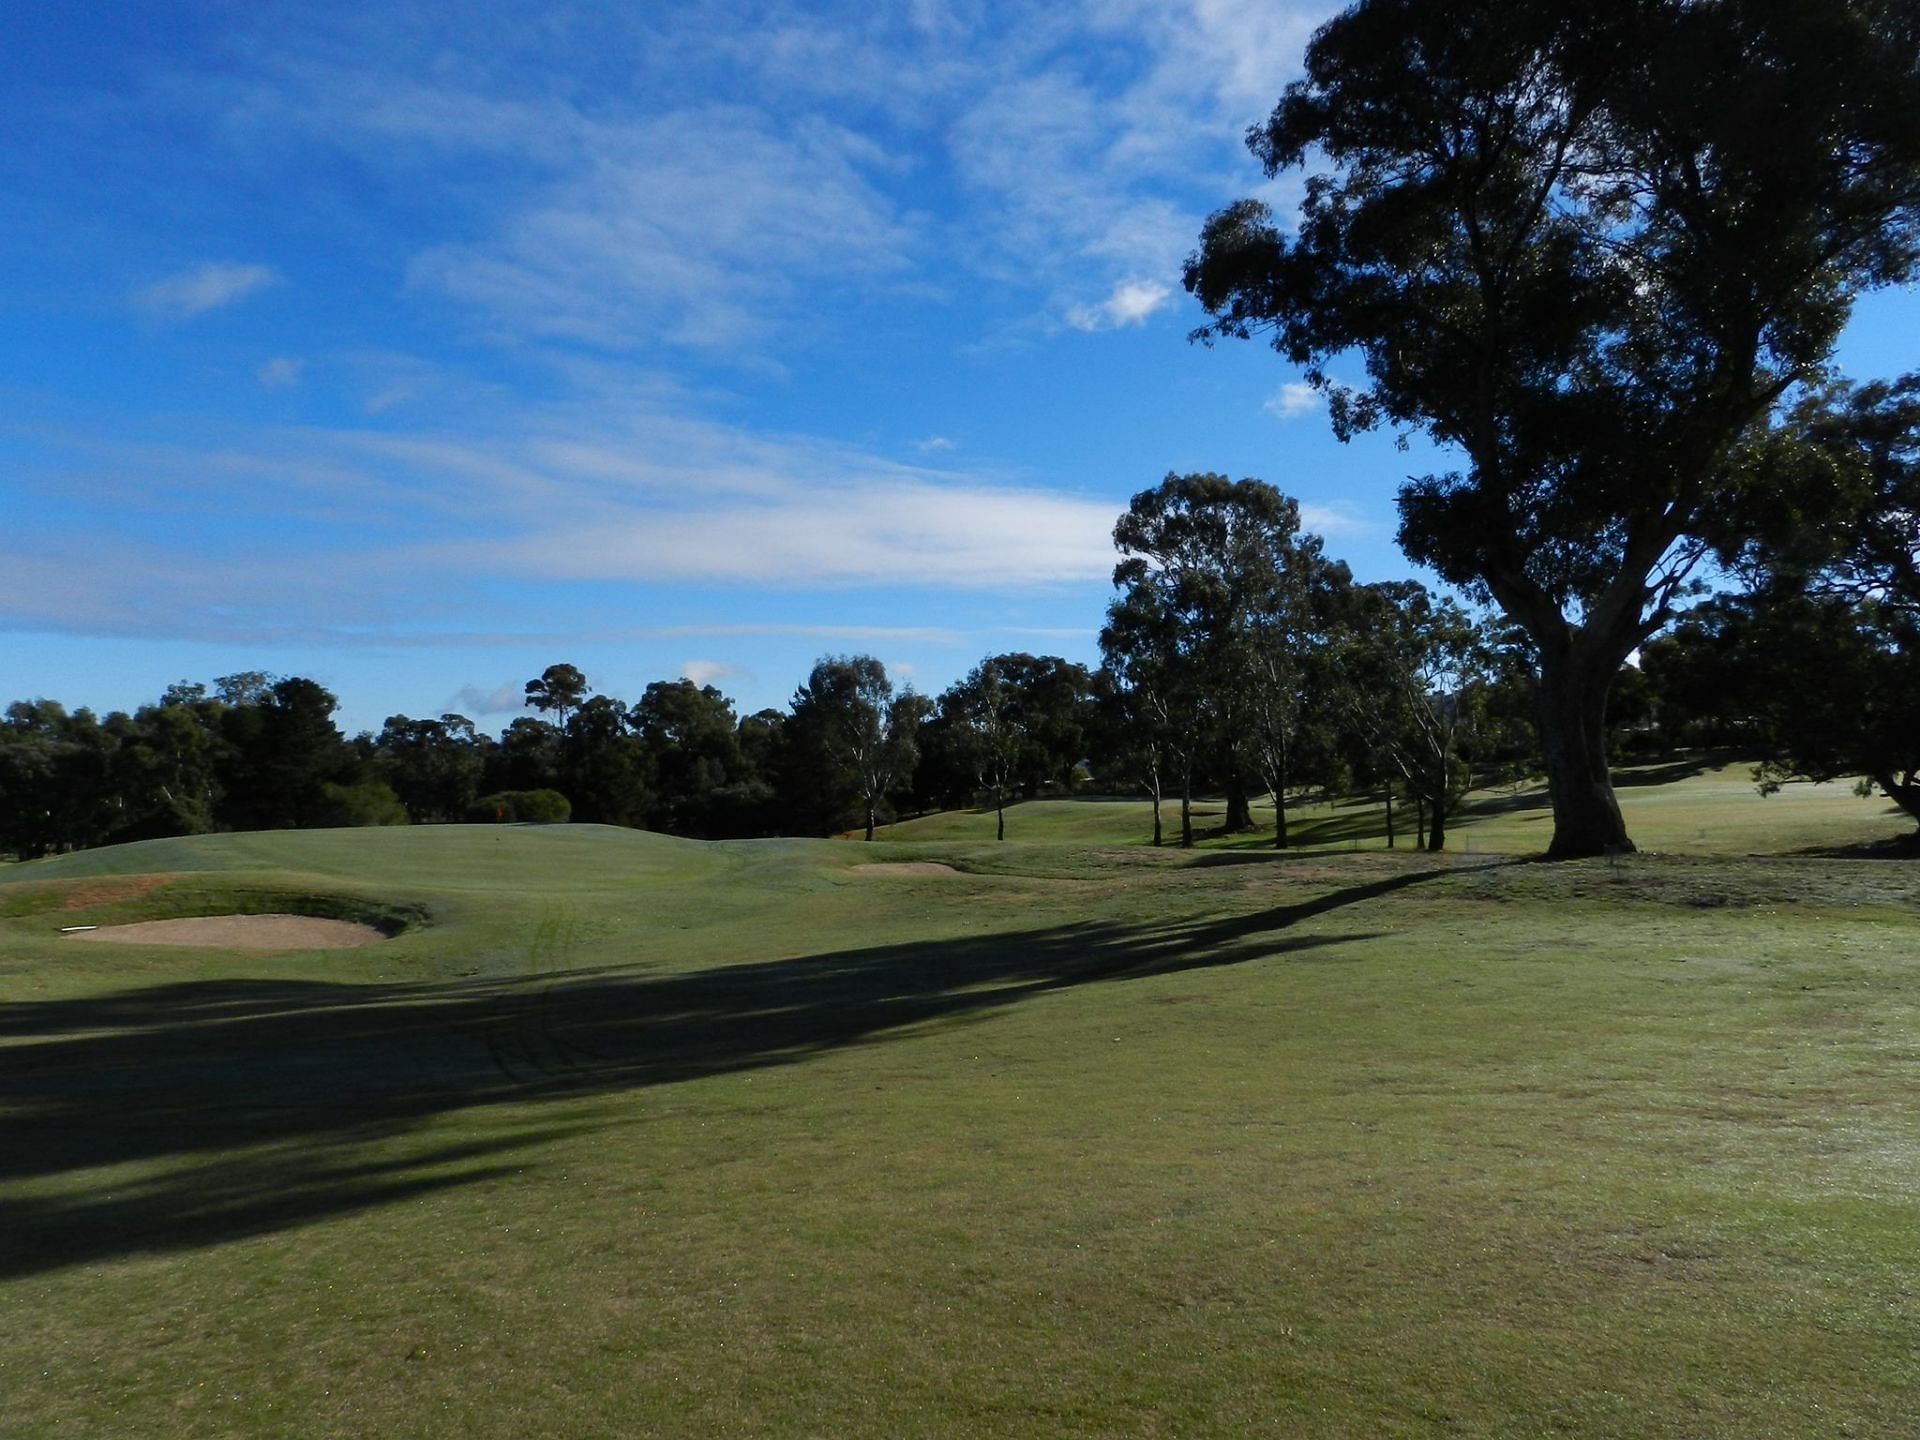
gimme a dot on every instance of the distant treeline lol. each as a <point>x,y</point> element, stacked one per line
<point>1238,659</point>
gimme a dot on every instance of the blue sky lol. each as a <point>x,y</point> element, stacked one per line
<point>416,348</point>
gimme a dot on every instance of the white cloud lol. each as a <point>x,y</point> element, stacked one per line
<point>1131,302</point>
<point>1294,399</point>
<point>1332,520</point>
<point>282,372</point>
<point>703,228</point>
<point>368,536</point>
<point>935,445</point>
<point>471,700</point>
<point>757,166</point>
<point>870,531</point>
<point>208,287</point>
<point>705,672</point>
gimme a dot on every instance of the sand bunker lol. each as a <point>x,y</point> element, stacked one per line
<point>240,932</point>
<point>905,867</point>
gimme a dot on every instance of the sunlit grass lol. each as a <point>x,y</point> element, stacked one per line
<point>1709,806</point>
<point>641,1137</point>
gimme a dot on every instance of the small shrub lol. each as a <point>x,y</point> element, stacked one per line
<point>373,803</point>
<point>521,807</point>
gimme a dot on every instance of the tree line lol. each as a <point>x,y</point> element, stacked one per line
<point>1238,658</point>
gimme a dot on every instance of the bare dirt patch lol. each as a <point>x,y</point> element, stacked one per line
<point>240,932</point>
<point>906,867</point>
<point>34,896</point>
<point>111,890</point>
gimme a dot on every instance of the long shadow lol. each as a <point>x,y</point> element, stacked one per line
<point>1668,773</point>
<point>253,1105</point>
<point>1894,847</point>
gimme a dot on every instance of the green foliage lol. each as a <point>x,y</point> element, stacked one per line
<point>1413,680</point>
<point>560,689</point>
<point>521,807</point>
<point>280,751</point>
<point>1224,611</point>
<point>1589,248</point>
<point>983,714</point>
<point>604,768</point>
<point>695,757</point>
<point>434,766</point>
<point>1820,659</point>
<point>371,802</point>
<point>1015,722</point>
<point>853,740</point>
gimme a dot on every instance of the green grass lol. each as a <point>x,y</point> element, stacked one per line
<point>628,1135</point>
<point>1702,806</point>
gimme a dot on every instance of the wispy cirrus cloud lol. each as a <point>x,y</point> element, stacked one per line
<point>392,531</point>
<point>194,292</point>
<point>762,172</point>
<point>696,228</point>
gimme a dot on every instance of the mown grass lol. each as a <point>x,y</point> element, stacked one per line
<point>637,1136</point>
<point>1705,805</point>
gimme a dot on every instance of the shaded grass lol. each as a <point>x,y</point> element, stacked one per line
<point>647,1138</point>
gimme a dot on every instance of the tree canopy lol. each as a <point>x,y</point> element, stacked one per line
<point>855,733</point>
<point>1589,247</point>
<point>1223,602</point>
<point>1819,659</point>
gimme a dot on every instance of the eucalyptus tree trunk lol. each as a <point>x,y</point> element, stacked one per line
<point>1186,805</point>
<point>1903,792</point>
<point>1573,735</point>
<point>1273,771</point>
<point>1239,803</point>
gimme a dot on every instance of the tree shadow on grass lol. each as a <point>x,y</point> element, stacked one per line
<point>1894,847</point>
<point>247,1106</point>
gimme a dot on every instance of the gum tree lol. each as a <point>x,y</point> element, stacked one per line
<point>849,717</point>
<point>1223,601</point>
<point>1587,247</point>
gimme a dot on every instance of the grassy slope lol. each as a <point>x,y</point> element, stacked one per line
<point>653,1138</point>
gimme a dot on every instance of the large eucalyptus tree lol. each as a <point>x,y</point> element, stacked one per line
<point>1588,246</point>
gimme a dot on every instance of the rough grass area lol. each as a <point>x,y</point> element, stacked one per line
<point>642,1137</point>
